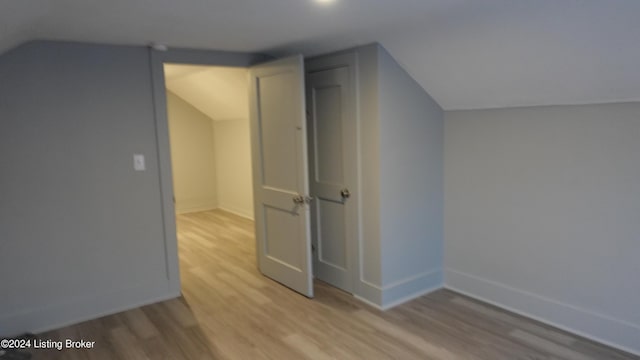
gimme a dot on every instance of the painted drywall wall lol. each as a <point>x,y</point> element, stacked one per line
<point>411,189</point>
<point>233,166</point>
<point>192,156</point>
<point>220,92</point>
<point>368,287</point>
<point>542,209</point>
<point>81,234</point>
<point>81,231</point>
<point>400,145</point>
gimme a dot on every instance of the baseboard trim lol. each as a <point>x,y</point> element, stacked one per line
<point>567,317</point>
<point>234,212</point>
<point>89,308</point>
<point>368,302</point>
<point>368,293</point>
<point>186,206</point>
<point>399,292</point>
<point>411,297</point>
<point>407,289</point>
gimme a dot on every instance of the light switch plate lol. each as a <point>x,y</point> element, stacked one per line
<point>138,162</point>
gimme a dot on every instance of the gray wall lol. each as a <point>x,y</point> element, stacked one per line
<point>81,233</point>
<point>411,189</point>
<point>81,230</point>
<point>369,285</point>
<point>400,197</point>
<point>542,214</point>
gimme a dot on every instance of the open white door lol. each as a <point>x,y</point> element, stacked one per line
<point>280,177</point>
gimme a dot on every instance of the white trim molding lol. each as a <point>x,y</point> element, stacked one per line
<point>400,291</point>
<point>83,309</point>
<point>601,328</point>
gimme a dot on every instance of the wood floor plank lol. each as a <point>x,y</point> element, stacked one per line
<point>544,332</point>
<point>180,313</point>
<point>548,346</point>
<point>428,349</point>
<point>307,347</point>
<point>125,344</point>
<point>140,324</point>
<point>230,311</point>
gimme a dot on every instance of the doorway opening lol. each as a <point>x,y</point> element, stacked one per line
<point>267,151</point>
<point>210,146</point>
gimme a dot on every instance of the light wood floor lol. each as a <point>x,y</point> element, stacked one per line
<point>230,311</point>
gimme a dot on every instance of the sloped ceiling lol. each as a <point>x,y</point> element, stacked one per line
<point>466,53</point>
<point>221,93</point>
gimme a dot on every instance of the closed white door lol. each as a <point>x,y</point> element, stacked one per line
<point>333,174</point>
<point>279,150</point>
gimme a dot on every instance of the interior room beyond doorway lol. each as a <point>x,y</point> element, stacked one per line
<point>208,116</point>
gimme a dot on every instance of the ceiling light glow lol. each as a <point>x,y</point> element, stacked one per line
<point>325,2</point>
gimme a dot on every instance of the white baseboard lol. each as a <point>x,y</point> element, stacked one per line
<point>189,206</point>
<point>368,293</point>
<point>410,297</point>
<point>407,289</point>
<point>368,302</point>
<point>234,211</point>
<point>399,292</point>
<point>89,308</point>
<point>601,328</point>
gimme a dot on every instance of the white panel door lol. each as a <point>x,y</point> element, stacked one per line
<point>280,173</point>
<point>333,173</point>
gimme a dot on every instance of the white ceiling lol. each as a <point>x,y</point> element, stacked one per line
<point>466,53</point>
<point>221,93</point>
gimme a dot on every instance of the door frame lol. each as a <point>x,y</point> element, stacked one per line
<point>157,59</point>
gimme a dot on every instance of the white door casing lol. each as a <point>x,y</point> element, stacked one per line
<point>280,172</point>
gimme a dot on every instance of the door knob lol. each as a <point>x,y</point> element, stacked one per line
<point>345,193</point>
<point>299,199</point>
